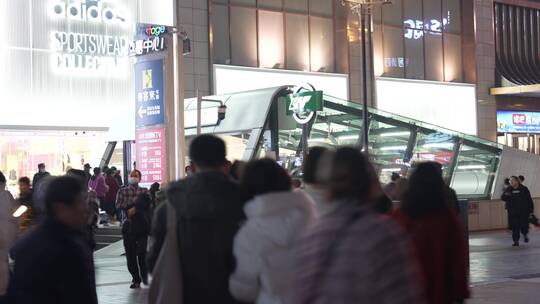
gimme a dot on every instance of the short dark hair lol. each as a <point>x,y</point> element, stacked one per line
<point>2,178</point>
<point>350,177</point>
<point>521,178</point>
<point>265,176</point>
<point>41,165</point>
<point>79,175</point>
<point>97,171</point>
<point>395,176</point>
<point>62,190</point>
<point>207,151</point>
<point>24,180</point>
<point>311,164</point>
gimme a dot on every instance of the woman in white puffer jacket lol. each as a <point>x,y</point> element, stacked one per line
<point>265,246</point>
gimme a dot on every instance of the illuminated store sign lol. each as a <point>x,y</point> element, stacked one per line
<point>91,11</point>
<point>150,40</point>
<point>414,29</point>
<point>90,54</point>
<point>518,122</point>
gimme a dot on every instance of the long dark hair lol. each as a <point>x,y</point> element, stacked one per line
<point>427,192</point>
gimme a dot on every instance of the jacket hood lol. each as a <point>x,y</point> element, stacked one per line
<point>281,215</point>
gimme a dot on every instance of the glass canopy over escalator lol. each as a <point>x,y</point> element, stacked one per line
<point>257,125</point>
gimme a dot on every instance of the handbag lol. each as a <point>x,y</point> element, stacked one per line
<point>534,220</point>
<point>167,282</point>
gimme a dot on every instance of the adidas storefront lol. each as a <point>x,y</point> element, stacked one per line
<point>66,83</point>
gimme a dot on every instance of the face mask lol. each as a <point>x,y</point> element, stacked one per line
<point>133,180</point>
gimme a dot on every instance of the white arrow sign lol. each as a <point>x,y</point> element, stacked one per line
<point>142,111</point>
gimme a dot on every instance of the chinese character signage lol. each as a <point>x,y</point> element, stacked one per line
<point>149,93</point>
<point>151,155</point>
<point>518,122</point>
<point>149,40</point>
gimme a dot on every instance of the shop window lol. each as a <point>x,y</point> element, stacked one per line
<point>320,7</point>
<point>452,16</point>
<point>17,33</point>
<point>343,36</point>
<point>434,56</point>
<point>243,36</point>
<point>414,61</point>
<point>322,44</point>
<point>376,14</point>
<point>244,2</point>
<point>271,41</point>
<point>392,13</point>
<point>432,15</point>
<point>220,34</point>
<point>272,4</point>
<point>296,6</point>
<point>221,1</point>
<point>297,37</point>
<point>453,66</point>
<point>393,60</point>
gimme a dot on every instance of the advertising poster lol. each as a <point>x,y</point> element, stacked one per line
<point>149,94</point>
<point>518,122</point>
<point>151,155</point>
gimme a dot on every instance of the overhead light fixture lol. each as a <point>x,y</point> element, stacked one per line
<point>393,148</point>
<point>439,145</point>
<point>395,134</point>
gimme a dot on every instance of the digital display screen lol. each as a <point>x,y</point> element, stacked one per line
<point>518,122</point>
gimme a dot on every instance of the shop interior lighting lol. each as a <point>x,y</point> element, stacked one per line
<point>395,134</point>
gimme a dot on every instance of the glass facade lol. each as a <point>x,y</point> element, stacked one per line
<point>418,39</point>
<point>396,143</point>
<point>306,35</point>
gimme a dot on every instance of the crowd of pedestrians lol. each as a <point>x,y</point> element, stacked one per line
<point>244,233</point>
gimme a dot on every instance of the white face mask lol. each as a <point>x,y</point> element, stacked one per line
<point>133,180</point>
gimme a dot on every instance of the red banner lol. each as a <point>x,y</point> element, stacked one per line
<point>151,155</point>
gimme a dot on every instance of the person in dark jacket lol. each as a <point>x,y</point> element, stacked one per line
<point>519,206</point>
<point>42,173</point>
<point>110,197</point>
<point>53,263</point>
<point>209,211</point>
<point>116,175</point>
<point>135,232</point>
<point>430,220</point>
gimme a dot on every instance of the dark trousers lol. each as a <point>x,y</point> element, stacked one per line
<point>517,229</point>
<point>136,257</point>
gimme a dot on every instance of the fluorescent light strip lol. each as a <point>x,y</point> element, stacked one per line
<point>393,148</point>
<point>471,167</point>
<point>391,170</point>
<point>439,145</point>
<point>20,211</point>
<point>348,137</point>
<point>393,134</point>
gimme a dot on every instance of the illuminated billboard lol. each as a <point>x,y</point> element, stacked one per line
<point>518,122</point>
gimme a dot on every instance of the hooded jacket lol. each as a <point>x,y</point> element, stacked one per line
<point>265,247</point>
<point>8,232</point>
